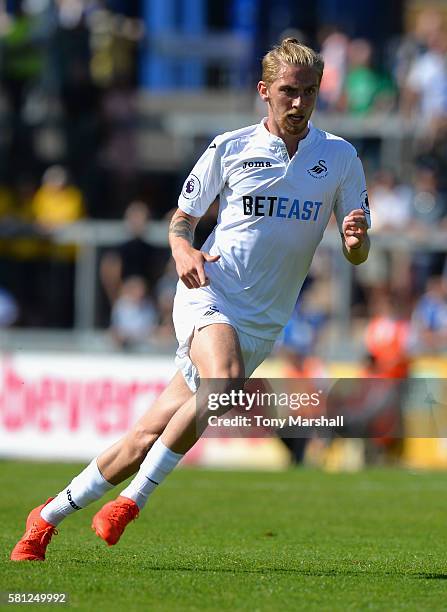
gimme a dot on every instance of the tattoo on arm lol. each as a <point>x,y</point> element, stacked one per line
<point>182,228</point>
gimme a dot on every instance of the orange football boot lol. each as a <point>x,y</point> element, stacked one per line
<point>38,533</point>
<point>110,522</point>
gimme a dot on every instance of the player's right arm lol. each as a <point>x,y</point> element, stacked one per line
<point>200,189</point>
<point>189,262</point>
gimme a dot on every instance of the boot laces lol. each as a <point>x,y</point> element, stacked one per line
<point>44,534</point>
<point>122,511</point>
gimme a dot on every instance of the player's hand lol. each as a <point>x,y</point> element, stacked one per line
<point>355,228</point>
<point>190,265</point>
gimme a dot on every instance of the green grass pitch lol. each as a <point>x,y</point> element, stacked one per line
<point>210,540</point>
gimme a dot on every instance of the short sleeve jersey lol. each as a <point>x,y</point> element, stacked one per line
<point>272,215</point>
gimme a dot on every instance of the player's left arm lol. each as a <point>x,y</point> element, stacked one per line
<point>352,213</point>
<point>355,237</point>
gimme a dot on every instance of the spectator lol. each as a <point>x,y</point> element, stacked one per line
<point>135,257</point>
<point>428,210</point>
<point>387,337</point>
<point>425,92</point>
<point>365,89</point>
<point>298,343</point>
<point>22,63</point>
<point>80,100</point>
<point>428,206</point>
<point>134,315</point>
<point>429,319</point>
<point>296,349</point>
<point>9,310</point>
<point>119,153</point>
<point>390,201</point>
<point>334,50</point>
<point>57,204</point>
<point>403,52</point>
<point>26,246</point>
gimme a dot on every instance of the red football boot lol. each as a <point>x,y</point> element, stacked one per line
<point>110,522</point>
<point>33,544</point>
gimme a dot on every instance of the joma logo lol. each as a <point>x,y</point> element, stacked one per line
<point>256,164</point>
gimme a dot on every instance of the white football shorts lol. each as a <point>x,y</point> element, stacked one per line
<point>195,309</point>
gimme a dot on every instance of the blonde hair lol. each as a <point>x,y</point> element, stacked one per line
<point>290,51</point>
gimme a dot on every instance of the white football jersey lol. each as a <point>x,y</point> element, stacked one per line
<point>272,215</point>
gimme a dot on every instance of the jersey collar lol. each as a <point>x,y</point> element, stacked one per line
<point>271,139</point>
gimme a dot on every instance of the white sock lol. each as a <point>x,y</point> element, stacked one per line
<point>159,462</point>
<point>85,488</point>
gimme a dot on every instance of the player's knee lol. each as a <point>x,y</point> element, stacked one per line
<point>229,370</point>
<point>140,441</point>
<point>226,378</point>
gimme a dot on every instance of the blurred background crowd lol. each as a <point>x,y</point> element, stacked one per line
<point>104,107</point>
